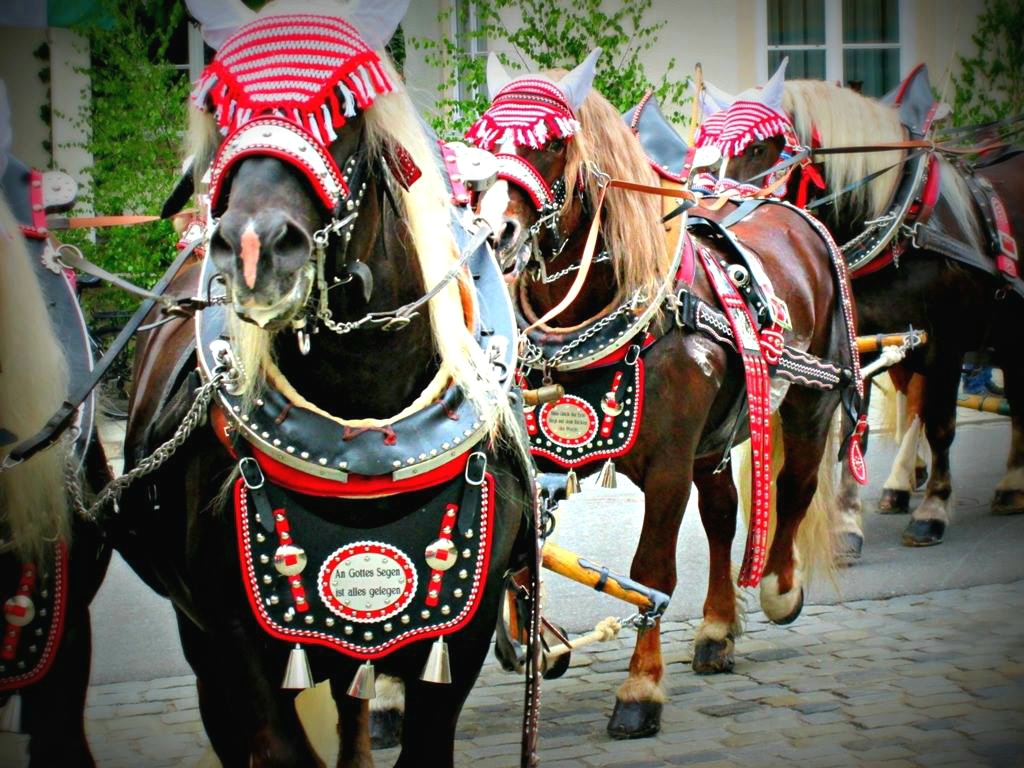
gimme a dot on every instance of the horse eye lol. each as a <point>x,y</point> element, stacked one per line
<point>556,145</point>
<point>757,151</point>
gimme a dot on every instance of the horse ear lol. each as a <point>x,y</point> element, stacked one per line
<point>771,94</point>
<point>377,20</point>
<point>219,19</point>
<point>497,76</point>
<point>576,85</point>
<point>714,99</point>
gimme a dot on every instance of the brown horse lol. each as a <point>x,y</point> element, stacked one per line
<point>691,382</point>
<point>386,453</point>
<point>963,306</point>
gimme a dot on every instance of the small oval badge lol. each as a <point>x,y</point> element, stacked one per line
<point>367,581</point>
<point>569,421</point>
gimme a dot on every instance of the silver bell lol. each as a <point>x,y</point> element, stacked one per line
<point>10,715</point>
<point>364,684</point>
<point>607,477</point>
<point>297,675</point>
<point>437,669</point>
<point>572,484</point>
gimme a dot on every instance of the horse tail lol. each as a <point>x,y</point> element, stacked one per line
<point>33,384</point>
<point>818,533</point>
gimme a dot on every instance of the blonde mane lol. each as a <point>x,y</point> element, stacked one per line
<point>33,384</point>
<point>631,229</point>
<point>844,118</point>
<point>393,119</point>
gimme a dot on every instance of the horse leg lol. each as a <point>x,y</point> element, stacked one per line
<point>850,532</point>
<point>928,522</point>
<point>908,472</point>
<point>639,700</point>
<point>1009,496</point>
<point>902,480</point>
<point>805,424</point>
<point>715,641</point>
<point>386,711</point>
<point>915,402</point>
<point>353,728</point>
<point>52,713</point>
<point>848,522</point>
<point>249,720</point>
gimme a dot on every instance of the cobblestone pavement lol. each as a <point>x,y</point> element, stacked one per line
<point>920,680</point>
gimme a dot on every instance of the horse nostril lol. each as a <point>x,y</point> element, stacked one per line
<point>291,247</point>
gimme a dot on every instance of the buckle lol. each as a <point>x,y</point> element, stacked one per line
<point>396,323</point>
<point>251,473</point>
<point>476,466</point>
<point>632,355</point>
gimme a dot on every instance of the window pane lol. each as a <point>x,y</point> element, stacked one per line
<point>871,21</point>
<point>796,22</point>
<point>802,64</point>
<point>877,71</point>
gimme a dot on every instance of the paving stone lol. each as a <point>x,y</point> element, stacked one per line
<point>867,684</point>
<point>724,710</point>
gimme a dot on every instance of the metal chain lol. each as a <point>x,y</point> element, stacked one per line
<point>533,354</point>
<point>603,256</point>
<point>112,492</point>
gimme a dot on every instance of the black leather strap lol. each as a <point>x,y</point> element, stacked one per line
<point>65,415</point>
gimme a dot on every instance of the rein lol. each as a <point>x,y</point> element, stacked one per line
<point>62,419</point>
<point>605,183</point>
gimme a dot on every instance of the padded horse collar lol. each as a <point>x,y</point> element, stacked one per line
<point>302,439</point>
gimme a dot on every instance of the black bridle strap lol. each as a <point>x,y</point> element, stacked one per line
<point>861,182</point>
<point>62,419</point>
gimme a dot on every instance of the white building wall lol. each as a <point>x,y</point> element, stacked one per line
<point>19,69</point>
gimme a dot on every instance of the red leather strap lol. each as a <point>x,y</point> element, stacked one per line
<point>755,367</point>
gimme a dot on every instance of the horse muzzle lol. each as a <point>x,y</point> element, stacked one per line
<point>274,313</point>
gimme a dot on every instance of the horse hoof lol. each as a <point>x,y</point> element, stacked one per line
<point>923,533</point>
<point>1008,502</point>
<point>634,719</point>
<point>849,547</point>
<point>894,502</point>
<point>920,477</point>
<point>711,657</point>
<point>385,728</point>
<point>794,613</point>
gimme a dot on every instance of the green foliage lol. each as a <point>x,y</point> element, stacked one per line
<point>135,123</point>
<point>991,83</point>
<point>546,36</point>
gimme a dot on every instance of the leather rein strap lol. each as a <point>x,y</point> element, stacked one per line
<point>595,228</point>
<point>63,418</point>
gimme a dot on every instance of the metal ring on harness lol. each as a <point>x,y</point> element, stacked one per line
<point>476,468</point>
<point>251,473</point>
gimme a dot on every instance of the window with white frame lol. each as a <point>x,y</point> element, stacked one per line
<point>465,31</point>
<point>855,42</point>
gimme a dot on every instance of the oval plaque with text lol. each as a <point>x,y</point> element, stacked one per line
<point>367,581</point>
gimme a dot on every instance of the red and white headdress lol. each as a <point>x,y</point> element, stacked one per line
<point>531,110</point>
<point>732,123</point>
<point>311,70</point>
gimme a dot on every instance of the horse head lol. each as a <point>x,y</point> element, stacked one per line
<point>288,180</point>
<point>531,125</point>
<point>750,129</point>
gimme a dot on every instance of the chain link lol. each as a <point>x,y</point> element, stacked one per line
<point>112,492</point>
<point>532,354</point>
<point>603,256</point>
